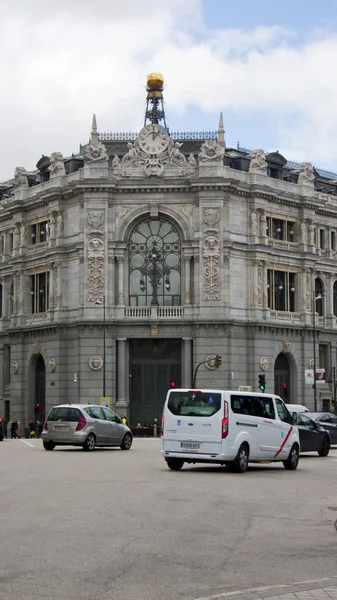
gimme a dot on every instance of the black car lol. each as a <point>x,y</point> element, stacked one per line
<point>313,437</point>
<point>326,420</point>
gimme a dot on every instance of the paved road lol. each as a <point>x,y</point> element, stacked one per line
<point>120,525</point>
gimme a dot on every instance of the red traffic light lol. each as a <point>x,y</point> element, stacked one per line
<point>173,384</point>
<point>37,405</point>
<point>284,386</point>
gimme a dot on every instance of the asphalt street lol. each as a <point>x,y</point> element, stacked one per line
<point>121,525</point>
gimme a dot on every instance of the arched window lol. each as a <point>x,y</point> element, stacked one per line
<point>319,295</point>
<point>335,298</point>
<point>154,264</point>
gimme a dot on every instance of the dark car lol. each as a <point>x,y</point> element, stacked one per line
<point>326,420</point>
<point>313,437</point>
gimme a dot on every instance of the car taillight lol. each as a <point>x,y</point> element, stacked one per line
<point>162,425</point>
<point>45,425</point>
<point>81,423</point>
<point>224,424</point>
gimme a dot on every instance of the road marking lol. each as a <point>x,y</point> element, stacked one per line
<point>320,584</point>
<point>28,444</point>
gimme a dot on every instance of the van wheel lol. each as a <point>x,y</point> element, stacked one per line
<point>292,461</point>
<point>325,449</point>
<point>49,445</point>
<point>240,463</point>
<point>175,464</point>
<point>90,443</point>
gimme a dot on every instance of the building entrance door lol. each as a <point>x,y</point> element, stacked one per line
<point>282,378</point>
<point>154,366</point>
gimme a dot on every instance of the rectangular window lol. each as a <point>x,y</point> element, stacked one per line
<point>261,406</point>
<point>39,291</point>
<point>280,229</point>
<point>281,290</point>
<point>290,231</point>
<point>322,239</point>
<point>194,403</point>
<point>38,232</point>
<point>333,241</point>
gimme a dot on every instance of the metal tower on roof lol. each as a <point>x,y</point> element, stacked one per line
<point>154,112</point>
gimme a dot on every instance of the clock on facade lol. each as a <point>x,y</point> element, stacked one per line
<point>153,139</point>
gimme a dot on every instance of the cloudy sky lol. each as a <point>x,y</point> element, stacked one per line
<point>270,67</point>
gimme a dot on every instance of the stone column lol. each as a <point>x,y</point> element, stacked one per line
<point>51,298</point>
<point>187,363</point>
<point>187,261</point>
<point>5,297</point>
<point>121,374</point>
<point>120,281</point>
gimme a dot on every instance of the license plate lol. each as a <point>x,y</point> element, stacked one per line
<point>190,445</point>
<point>60,428</point>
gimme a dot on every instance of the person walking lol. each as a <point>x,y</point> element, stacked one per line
<point>15,430</point>
<point>2,434</point>
<point>5,429</point>
<point>31,429</point>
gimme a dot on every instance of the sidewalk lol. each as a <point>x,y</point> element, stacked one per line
<point>322,589</point>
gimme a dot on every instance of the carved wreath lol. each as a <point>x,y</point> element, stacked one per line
<point>95,363</point>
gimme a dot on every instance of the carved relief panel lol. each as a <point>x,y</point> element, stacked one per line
<point>211,254</point>
<point>95,255</point>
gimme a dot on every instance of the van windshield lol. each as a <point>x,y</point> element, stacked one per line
<point>194,404</point>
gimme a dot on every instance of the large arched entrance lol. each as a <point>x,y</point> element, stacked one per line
<point>37,388</point>
<point>282,378</point>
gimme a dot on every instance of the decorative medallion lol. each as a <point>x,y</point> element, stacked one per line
<point>311,363</point>
<point>286,346</point>
<point>210,362</point>
<point>264,364</point>
<point>154,331</point>
<point>14,367</point>
<point>52,365</point>
<point>95,363</point>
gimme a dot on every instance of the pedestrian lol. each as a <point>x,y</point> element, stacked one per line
<point>124,420</point>
<point>15,430</point>
<point>39,428</point>
<point>1,430</point>
<point>5,429</point>
<point>31,429</point>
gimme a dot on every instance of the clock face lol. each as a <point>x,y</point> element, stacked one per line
<point>153,139</point>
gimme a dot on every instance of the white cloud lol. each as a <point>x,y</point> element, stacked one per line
<point>61,62</point>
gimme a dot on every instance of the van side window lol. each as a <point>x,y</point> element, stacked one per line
<point>243,405</point>
<point>264,407</point>
<point>282,411</point>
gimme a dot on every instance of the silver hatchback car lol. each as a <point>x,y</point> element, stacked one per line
<point>86,425</point>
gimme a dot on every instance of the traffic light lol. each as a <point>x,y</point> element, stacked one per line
<point>285,390</point>
<point>218,361</point>
<point>173,384</point>
<point>37,405</point>
<point>262,382</point>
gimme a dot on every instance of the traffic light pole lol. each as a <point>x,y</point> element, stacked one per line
<point>218,362</point>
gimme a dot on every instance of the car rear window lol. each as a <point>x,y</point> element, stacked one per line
<point>194,404</point>
<point>64,413</point>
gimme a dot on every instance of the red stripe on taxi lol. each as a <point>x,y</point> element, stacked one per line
<point>284,442</point>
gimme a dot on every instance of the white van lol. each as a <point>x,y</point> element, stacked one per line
<point>230,428</point>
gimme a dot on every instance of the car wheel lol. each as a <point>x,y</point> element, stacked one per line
<point>292,461</point>
<point>127,442</point>
<point>240,463</point>
<point>49,445</point>
<point>175,464</point>
<point>90,443</point>
<point>325,449</point>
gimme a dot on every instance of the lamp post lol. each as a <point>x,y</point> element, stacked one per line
<point>155,272</point>
<point>315,298</point>
<point>104,323</point>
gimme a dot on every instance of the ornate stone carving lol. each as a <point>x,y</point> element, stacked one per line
<point>22,235</point>
<point>20,177</point>
<point>95,363</point>
<point>185,209</point>
<point>263,226</point>
<point>96,220</point>
<point>56,167</point>
<point>258,163</point>
<point>115,161</point>
<point>95,255</point>
<point>311,363</point>
<point>51,365</point>
<point>259,286</point>
<point>122,211</point>
<point>254,224</point>
<point>211,254</point>
<point>154,331</point>
<point>264,364</point>
<point>52,227</point>
<point>211,152</point>
<point>35,348</point>
<point>59,225</point>
<point>311,234</point>
<point>95,152</point>
<point>307,293</point>
<point>16,237</point>
<point>306,175</point>
<point>191,160</point>
<point>303,232</point>
<point>14,367</point>
<point>286,346</point>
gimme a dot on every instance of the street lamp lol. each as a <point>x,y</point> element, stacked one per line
<point>100,302</point>
<point>318,297</point>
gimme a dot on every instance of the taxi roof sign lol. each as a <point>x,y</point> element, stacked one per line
<point>245,388</point>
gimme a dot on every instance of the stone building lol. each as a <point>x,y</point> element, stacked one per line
<point>129,263</point>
